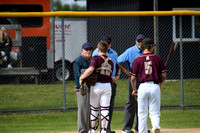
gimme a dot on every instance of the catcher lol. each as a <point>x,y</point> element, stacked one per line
<point>82,62</point>
<point>100,93</point>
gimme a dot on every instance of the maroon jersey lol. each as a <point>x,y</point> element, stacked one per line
<point>149,67</point>
<point>104,67</point>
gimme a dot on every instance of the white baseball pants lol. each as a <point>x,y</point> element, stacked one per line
<point>100,95</point>
<point>148,99</point>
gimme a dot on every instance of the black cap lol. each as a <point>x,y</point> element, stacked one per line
<point>147,41</point>
<point>107,38</point>
<point>86,45</point>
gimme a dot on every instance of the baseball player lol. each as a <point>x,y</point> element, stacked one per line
<point>151,73</point>
<point>100,93</point>
<point>115,75</point>
<point>80,63</point>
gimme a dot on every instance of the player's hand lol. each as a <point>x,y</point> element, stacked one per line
<point>114,79</point>
<point>135,94</point>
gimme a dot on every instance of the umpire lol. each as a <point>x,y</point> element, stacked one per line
<point>115,76</point>
<point>131,105</point>
<point>82,62</point>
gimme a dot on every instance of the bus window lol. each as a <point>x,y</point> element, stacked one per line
<point>24,21</point>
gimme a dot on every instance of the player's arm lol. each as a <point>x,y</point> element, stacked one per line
<point>133,83</point>
<point>117,76</point>
<point>124,69</point>
<point>119,71</point>
<point>164,77</point>
<point>134,72</point>
<point>86,74</point>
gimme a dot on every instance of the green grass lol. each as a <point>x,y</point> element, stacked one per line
<point>50,96</point>
<point>171,92</point>
<point>67,121</point>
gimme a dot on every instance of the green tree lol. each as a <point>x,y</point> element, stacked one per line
<point>58,6</point>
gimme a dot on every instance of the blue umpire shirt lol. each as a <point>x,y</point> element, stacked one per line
<point>112,54</point>
<point>129,55</point>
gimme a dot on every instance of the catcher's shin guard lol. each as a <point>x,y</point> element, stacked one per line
<point>94,121</point>
<point>104,118</point>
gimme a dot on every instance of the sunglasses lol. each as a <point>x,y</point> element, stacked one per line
<point>139,41</point>
<point>88,49</point>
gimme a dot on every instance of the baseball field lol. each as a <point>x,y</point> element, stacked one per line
<point>31,96</point>
<point>54,122</point>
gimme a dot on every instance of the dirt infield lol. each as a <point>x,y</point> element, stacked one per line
<point>186,130</point>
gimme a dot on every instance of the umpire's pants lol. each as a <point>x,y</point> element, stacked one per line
<point>131,109</point>
<point>113,86</point>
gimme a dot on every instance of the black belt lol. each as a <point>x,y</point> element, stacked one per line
<point>151,81</point>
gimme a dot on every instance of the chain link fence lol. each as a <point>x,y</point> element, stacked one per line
<point>42,46</point>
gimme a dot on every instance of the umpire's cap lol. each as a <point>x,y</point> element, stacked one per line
<point>139,37</point>
<point>107,38</point>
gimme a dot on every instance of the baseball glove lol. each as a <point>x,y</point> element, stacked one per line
<point>92,79</point>
<point>135,95</point>
<point>83,89</point>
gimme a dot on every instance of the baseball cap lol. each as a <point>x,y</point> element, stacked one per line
<point>107,38</point>
<point>140,37</point>
<point>86,45</point>
<point>147,41</point>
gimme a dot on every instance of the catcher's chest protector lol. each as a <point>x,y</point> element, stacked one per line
<point>105,65</point>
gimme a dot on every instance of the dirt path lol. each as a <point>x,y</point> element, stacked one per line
<point>186,130</point>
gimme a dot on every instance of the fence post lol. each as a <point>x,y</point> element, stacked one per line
<point>63,63</point>
<point>181,63</point>
<point>156,28</point>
